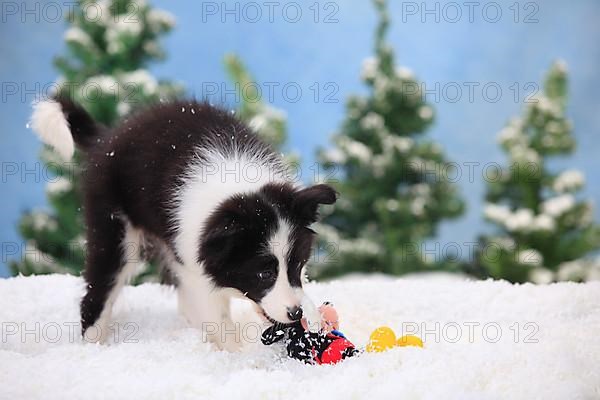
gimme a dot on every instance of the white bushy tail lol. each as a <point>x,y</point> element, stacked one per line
<point>61,124</point>
<point>50,124</point>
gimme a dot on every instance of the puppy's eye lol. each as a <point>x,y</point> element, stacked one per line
<point>265,275</point>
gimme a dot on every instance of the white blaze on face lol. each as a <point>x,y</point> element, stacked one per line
<point>282,296</point>
<point>311,315</point>
<point>209,181</point>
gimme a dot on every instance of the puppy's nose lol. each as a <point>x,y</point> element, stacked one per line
<point>294,313</point>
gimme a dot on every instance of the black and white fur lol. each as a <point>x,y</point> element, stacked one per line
<point>206,191</point>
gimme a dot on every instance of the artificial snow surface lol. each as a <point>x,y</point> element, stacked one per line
<point>166,359</point>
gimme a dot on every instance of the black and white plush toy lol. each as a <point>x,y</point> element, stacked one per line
<point>325,346</point>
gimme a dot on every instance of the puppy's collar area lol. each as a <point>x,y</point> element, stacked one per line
<point>274,321</point>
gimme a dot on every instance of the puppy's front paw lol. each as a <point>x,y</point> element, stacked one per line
<point>97,333</point>
<point>227,338</point>
<point>232,346</point>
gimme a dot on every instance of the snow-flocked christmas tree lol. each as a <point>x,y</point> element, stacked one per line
<point>544,233</point>
<point>109,43</point>
<point>393,183</point>
<point>269,122</point>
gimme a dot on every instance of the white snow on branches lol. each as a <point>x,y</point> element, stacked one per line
<point>369,68</point>
<point>417,206</point>
<point>530,257</point>
<point>561,65</point>
<point>335,156</point>
<point>496,212</point>
<point>425,112</point>
<point>372,121</point>
<point>520,220</point>
<point>120,27</point>
<point>141,78</point>
<point>123,85</point>
<point>421,193</point>
<point>541,275</point>
<point>41,220</point>
<point>547,106</point>
<point>579,270</point>
<point>512,133</point>
<point>123,108</point>
<point>568,181</point>
<point>392,205</point>
<point>404,73</point>
<point>401,143</point>
<point>524,154</point>
<point>355,149</point>
<point>124,24</point>
<point>59,185</point>
<point>77,35</point>
<point>158,19</point>
<point>557,206</point>
<point>106,84</point>
<point>152,47</point>
<point>267,123</point>
<point>331,236</point>
<point>543,222</point>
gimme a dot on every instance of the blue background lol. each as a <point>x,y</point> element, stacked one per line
<point>308,52</point>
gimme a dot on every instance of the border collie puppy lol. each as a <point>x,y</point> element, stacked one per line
<point>201,187</point>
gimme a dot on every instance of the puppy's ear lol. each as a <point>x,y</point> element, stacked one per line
<point>220,235</point>
<point>223,228</point>
<point>239,221</point>
<point>306,201</point>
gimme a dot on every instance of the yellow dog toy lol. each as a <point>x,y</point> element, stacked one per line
<point>384,338</point>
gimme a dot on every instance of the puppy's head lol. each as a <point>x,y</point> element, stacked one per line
<point>258,243</point>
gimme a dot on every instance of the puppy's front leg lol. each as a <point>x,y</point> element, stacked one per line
<point>207,308</point>
<point>230,333</point>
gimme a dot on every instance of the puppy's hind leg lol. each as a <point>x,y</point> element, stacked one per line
<point>113,258</point>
